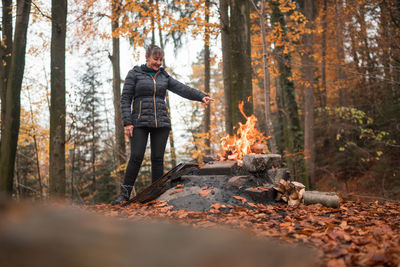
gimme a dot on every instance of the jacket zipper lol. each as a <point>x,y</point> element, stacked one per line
<point>140,109</point>
<point>154,97</point>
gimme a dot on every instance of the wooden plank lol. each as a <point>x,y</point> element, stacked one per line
<point>163,184</point>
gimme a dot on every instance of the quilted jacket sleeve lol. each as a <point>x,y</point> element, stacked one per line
<point>128,92</point>
<point>184,90</point>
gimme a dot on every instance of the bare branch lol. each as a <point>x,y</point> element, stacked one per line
<point>40,11</point>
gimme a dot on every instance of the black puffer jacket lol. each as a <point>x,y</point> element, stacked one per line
<point>143,101</point>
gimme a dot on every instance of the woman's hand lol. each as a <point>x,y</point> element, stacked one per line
<point>207,100</point>
<point>128,130</point>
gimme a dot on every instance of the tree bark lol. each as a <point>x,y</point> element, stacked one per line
<point>322,93</point>
<point>171,133</point>
<point>270,127</point>
<point>57,94</point>
<point>36,150</point>
<point>325,198</point>
<point>12,112</point>
<point>292,132</point>
<point>5,56</point>
<point>207,111</point>
<point>240,60</point>
<point>308,76</point>
<point>341,76</point>
<point>226,64</point>
<point>115,61</point>
<point>93,143</point>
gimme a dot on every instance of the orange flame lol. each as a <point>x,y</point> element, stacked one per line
<point>242,143</point>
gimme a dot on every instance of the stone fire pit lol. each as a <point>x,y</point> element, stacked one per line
<point>226,183</point>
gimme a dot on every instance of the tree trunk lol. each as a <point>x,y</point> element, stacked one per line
<point>57,94</point>
<point>371,92</point>
<point>119,127</point>
<point>308,77</point>
<point>384,43</point>
<point>270,127</point>
<point>341,76</point>
<point>240,60</point>
<point>207,111</point>
<point>171,135</point>
<point>5,56</point>
<point>293,135</point>
<point>11,121</point>
<point>322,93</point>
<point>93,126</point>
<point>226,64</point>
<point>36,150</point>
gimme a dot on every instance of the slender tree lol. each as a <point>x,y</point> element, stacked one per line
<point>307,7</point>
<point>207,70</point>
<point>115,61</point>
<point>266,83</point>
<point>5,55</point>
<point>341,76</point>
<point>322,93</point>
<point>171,133</point>
<point>226,63</point>
<point>292,132</point>
<point>57,94</point>
<point>11,119</point>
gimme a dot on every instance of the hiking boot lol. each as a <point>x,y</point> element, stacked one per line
<point>124,194</point>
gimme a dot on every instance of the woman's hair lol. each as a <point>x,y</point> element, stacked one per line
<point>154,50</point>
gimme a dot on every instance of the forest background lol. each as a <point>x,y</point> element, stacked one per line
<point>322,77</point>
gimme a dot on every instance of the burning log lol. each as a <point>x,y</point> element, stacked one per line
<point>248,139</point>
<point>261,162</point>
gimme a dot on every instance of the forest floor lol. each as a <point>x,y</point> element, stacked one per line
<point>355,234</point>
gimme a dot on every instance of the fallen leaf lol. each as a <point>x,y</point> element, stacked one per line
<point>160,204</point>
<point>336,263</point>
<point>216,206</point>
<point>205,193</point>
<point>241,199</point>
<point>177,191</point>
<point>259,188</point>
<point>251,204</point>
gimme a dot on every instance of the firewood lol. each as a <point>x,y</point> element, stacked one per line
<point>328,199</point>
<point>294,193</point>
<point>162,184</point>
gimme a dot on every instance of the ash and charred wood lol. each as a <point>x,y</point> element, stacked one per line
<point>163,184</point>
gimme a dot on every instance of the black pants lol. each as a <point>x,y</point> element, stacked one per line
<point>158,141</point>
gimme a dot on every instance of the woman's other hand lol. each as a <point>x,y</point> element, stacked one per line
<point>128,130</point>
<point>207,100</point>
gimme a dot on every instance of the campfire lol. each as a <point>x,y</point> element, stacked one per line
<point>247,140</point>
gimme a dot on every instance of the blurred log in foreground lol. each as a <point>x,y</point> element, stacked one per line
<point>64,236</point>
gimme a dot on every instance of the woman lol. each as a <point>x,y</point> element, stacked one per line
<point>144,113</point>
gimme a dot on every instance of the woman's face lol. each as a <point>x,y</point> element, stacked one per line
<point>154,61</point>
